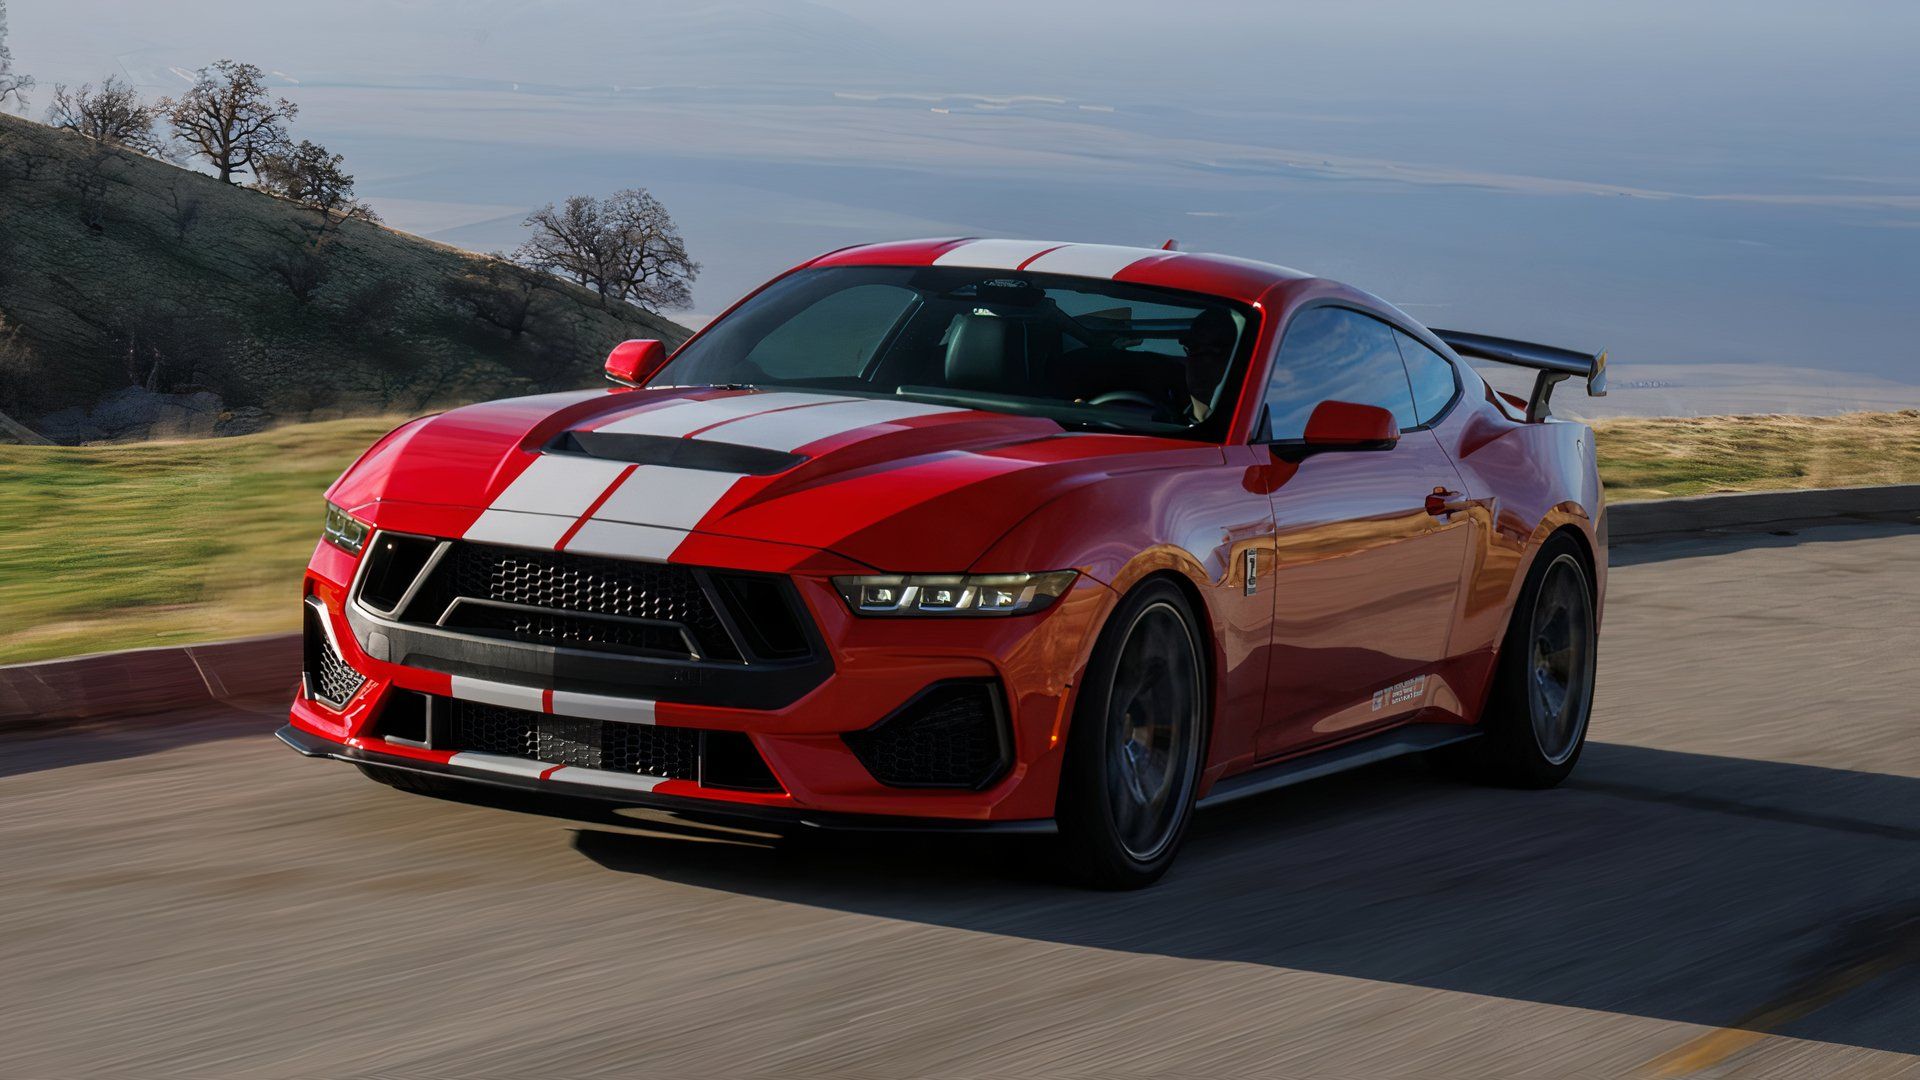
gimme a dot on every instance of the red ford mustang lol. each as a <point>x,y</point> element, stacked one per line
<point>981,534</point>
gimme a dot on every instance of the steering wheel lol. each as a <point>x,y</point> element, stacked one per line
<point>1131,397</point>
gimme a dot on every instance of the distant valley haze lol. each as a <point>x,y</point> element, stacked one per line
<point>1726,195</point>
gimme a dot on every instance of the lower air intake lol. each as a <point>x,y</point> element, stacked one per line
<point>326,675</point>
<point>716,759</point>
<point>952,735</point>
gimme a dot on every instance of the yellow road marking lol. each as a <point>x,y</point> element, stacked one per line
<point>1717,1046</point>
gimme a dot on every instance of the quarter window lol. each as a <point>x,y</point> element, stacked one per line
<point>1334,354</point>
<point>1430,374</point>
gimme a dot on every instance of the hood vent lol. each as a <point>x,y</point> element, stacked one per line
<point>676,452</point>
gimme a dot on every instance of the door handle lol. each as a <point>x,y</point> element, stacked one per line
<point>1443,501</point>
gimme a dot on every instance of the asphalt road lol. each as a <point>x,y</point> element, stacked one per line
<point>1729,886</point>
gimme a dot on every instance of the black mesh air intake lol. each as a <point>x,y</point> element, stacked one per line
<point>328,678</point>
<point>953,734</point>
<point>713,758</point>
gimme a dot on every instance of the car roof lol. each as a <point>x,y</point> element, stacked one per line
<point>1245,280</point>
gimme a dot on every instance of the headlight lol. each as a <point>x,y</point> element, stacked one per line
<point>344,531</point>
<point>953,594</point>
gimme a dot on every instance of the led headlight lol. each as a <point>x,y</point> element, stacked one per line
<point>344,531</point>
<point>953,594</point>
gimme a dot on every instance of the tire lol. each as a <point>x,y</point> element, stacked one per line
<point>1135,750</point>
<point>1541,701</point>
<point>405,780</point>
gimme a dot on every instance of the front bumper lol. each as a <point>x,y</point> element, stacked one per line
<point>360,752</point>
<point>878,666</point>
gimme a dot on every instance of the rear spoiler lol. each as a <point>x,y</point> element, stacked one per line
<point>1552,363</point>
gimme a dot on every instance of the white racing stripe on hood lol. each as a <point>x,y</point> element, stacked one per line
<point>1090,260</point>
<point>685,417</point>
<point>994,254</point>
<point>506,695</point>
<point>795,428</point>
<point>543,502</point>
<point>659,495</point>
<point>602,707</point>
<point>620,540</point>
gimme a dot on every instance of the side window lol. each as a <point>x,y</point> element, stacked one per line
<point>1432,376</point>
<point>835,335</point>
<point>1333,354</point>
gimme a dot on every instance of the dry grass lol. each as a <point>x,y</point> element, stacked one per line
<point>117,547</point>
<point>1662,458</point>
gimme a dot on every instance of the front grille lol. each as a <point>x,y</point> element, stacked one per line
<point>641,606</point>
<point>585,602</point>
<point>713,758</point>
<point>328,678</point>
<point>954,734</point>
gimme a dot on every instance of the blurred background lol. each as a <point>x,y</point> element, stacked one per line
<point>1717,182</point>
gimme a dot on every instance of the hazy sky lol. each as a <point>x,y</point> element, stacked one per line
<point>1691,181</point>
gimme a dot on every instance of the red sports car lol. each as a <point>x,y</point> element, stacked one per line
<point>976,534</point>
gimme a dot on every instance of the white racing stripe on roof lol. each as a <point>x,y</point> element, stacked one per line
<point>660,495</point>
<point>1091,260</point>
<point>602,707</point>
<point>796,428</point>
<point>690,416</point>
<point>500,763</point>
<point>994,254</point>
<point>621,540</point>
<point>488,692</point>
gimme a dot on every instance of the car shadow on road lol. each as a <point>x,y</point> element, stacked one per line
<point>86,743</point>
<point>1685,887</point>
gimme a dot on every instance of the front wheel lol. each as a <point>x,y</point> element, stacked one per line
<point>1542,697</point>
<point>1134,751</point>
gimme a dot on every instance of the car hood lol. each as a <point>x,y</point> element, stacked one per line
<point>893,484</point>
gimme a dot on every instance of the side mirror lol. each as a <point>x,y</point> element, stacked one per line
<point>633,362</point>
<point>1347,425</point>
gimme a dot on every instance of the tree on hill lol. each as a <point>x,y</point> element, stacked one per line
<point>624,247</point>
<point>113,115</point>
<point>12,84</point>
<point>307,174</point>
<point>228,118</point>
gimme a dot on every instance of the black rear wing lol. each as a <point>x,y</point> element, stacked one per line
<point>1553,364</point>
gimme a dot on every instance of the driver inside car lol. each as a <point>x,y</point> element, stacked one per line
<point>1209,346</point>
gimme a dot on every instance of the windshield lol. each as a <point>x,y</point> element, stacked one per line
<point>1091,354</point>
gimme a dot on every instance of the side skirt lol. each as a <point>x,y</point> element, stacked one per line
<point>1398,742</point>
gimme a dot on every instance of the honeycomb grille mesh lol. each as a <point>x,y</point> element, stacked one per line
<point>588,602</point>
<point>328,676</point>
<point>950,736</point>
<point>673,753</point>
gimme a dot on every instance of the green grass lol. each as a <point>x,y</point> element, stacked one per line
<point>117,547</point>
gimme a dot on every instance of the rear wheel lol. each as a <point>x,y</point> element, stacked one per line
<point>1134,753</point>
<point>1542,697</point>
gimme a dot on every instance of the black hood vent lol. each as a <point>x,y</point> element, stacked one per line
<point>676,452</point>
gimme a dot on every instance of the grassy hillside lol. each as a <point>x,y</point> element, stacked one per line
<point>121,271</point>
<point>112,547</point>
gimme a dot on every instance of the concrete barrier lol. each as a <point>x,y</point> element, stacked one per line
<point>1631,521</point>
<point>152,682</point>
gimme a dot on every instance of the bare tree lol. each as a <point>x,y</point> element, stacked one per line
<point>624,247</point>
<point>309,175</point>
<point>112,114</point>
<point>12,84</point>
<point>227,117</point>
